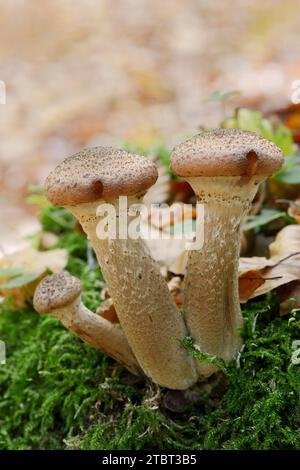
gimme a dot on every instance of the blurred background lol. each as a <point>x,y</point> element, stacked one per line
<point>88,72</point>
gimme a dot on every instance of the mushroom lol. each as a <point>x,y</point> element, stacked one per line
<point>153,325</point>
<point>224,168</point>
<point>59,295</point>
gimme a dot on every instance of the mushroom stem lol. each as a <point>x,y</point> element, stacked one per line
<point>99,333</point>
<point>59,295</point>
<point>212,304</point>
<point>149,318</point>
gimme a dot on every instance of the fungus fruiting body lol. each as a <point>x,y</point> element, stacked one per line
<point>59,295</point>
<point>224,168</point>
<point>152,323</point>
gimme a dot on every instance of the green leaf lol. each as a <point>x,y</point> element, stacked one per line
<point>159,149</point>
<point>284,139</point>
<point>20,281</point>
<point>291,160</point>
<point>289,175</point>
<point>249,120</point>
<point>290,171</point>
<point>253,121</point>
<point>37,199</point>
<point>230,123</point>
<point>222,95</point>
<point>10,272</point>
<point>265,217</point>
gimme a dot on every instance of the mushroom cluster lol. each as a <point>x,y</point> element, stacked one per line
<point>224,168</point>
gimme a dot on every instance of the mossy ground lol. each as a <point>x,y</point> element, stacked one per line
<point>57,392</point>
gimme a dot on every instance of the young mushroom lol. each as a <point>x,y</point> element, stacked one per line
<point>59,295</point>
<point>153,325</point>
<point>224,168</point>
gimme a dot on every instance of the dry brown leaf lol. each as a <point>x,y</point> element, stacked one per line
<point>294,210</point>
<point>175,286</point>
<point>258,275</point>
<point>107,310</point>
<point>287,241</point>
<point>48,240</point>
<point>283,267</point>
<point>168,252</point>
<point>33,266</point>
<point>283,272</point>
<point>34,261</point>
<point>248,283</point>
<point>254,263</point>
<point>182,191</point>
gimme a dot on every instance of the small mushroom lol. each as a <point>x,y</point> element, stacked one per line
<point>149,318</point>
<point>59,295</point>
<point>224,168</point>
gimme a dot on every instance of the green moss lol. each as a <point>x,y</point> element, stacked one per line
<point>48,383</point>
<point>58,392</point>
<point>259,410</point>
<point>189,344</point>
<point>56,219</point>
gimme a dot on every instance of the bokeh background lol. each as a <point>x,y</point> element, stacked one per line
<point>86,72</point>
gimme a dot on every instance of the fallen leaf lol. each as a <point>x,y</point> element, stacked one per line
<point>263,218</point>
<point>182,191</point>
<point>258,275</point>
<point>290,116</point>
<point>107,310</point>
<point>10,272</point>
<point>175,286</point>
<point>248,283</point>
<point>294,212</point>
<point>31,260</point>
<point>164,247</point>
<point>286,242</point>
<point>283,272</point>
<point>20,281</point>
<point>21,271</point>
<point>254,263</point>
<point>283,266</point>
<point>48,240</point>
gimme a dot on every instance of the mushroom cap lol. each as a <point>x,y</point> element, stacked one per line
<point>99,173</point>
<point>56,291</point>
<point>226,152</point>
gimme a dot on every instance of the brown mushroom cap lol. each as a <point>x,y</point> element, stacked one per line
<point>99,173</point>
<point>226,152</point>
<point>56,291</point>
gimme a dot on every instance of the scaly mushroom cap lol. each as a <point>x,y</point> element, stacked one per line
<point>99,173</point>
<point>56,291</point>
<point>226,152</point>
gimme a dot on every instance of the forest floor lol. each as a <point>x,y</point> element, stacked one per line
<point>57,392</point>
